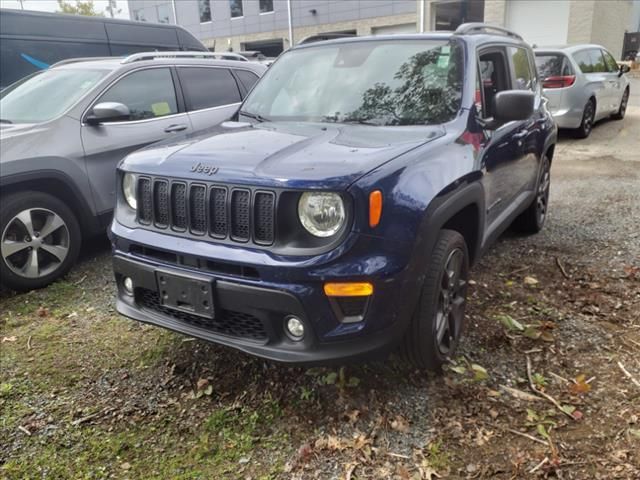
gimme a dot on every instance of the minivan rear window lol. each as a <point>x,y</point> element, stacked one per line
<point>552,65</point>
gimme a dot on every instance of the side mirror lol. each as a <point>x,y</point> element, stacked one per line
<point>108,112</point>
<point>512,105</point>
<point>623,69</point>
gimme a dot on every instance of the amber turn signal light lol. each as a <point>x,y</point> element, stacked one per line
<point>350,289</point>
<point>375,208</point>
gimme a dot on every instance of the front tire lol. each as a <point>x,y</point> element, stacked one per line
<point>39,240</point>
<point>437,324</point>
<point>619,115</point>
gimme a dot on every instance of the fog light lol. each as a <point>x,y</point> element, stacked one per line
<point>127,283</point>
<point>295,328</point>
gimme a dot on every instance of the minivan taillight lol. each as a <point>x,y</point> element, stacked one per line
<point>560,81</point>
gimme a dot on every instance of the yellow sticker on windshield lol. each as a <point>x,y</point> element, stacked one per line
<point>161,108</point>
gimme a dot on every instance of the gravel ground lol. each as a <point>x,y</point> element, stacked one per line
<point>538,390</point>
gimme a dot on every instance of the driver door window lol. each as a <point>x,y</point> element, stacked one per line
<point>494,76</point>
<point>151,99</point>
<point>147,93</point>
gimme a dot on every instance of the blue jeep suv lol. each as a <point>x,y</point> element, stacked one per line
<point>337,215</point>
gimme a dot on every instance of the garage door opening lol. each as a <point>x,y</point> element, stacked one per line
<point>269,48</point>
<point>449,15</point>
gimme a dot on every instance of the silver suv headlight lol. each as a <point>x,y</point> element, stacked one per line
<point>129,183</point>
<point>322,214</point>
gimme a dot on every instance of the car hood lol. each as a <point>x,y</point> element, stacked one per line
<point>281,154</point>
<point>24,140</point>
<point>10,130</point>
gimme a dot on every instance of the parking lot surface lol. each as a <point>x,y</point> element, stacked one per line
<point>546,381</point>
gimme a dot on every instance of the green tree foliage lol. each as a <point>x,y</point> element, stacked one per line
<point>86,8</point>
<point>429,92</point>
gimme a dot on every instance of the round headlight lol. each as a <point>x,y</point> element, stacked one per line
<point>129,189</point>
<point>321,214</point>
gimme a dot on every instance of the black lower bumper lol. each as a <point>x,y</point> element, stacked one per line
<point>248,318</point>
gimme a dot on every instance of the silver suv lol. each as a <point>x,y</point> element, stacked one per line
<point>64,130</point>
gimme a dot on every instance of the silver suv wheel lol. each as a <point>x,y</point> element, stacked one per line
<point>35,243</point>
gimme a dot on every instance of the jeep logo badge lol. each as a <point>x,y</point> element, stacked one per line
<point>206,169</point>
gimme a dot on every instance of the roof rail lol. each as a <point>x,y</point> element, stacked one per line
<point>478,27</point>
<point>79,59</point>
<point>137,57</point>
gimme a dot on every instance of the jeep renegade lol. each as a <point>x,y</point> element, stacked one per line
<point>337,215</point>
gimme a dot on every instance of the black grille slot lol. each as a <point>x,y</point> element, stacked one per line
<point>161,203</point>
<point>227,322</point>
<point>227,213</point>
<point>179,206</point>
<point>198,209</point>
<point>240,213</point>
<point>263,215</point>
<point>145,211</point>
<point>218,212</point>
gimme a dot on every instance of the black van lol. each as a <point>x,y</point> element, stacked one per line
<point>31,41</point>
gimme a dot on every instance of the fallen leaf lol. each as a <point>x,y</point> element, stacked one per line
<point>400,424</point>
<point>125,466</point>
<point>577,415</point>
<point>9,339</point>
<point>542,431</point>
<point>530,281</point>
<point>460,369</point>
<point>479,372</point>
<point>203,382</point>
<point>580,386</point>
<point>510,322</point>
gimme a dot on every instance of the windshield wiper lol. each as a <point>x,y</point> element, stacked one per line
<point>255,116</point>
<point>2,120</point>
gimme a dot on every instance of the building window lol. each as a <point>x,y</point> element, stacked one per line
<point>163,13</point>
<point>205,11</point>
<point>139,15</point>
<point>236,8</point>
<point>266,6</point>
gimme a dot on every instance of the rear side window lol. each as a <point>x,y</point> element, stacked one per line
<point>247,78</point>
<point>524,75</point>
<point>208,87</point>
<point>553,65</point>
<point>147,93</point>
<point>590,61</point>
<point>612,65</point>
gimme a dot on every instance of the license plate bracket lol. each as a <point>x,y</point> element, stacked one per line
<point>186,293</point>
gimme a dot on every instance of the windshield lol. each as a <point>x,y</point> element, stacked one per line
<point>46,95</point>
<point>386,82</point>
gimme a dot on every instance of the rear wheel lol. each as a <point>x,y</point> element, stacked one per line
<point>39,240</point>
<point>619,115</point>
<point>533,218</point>
<point>588,117</point>
<point>436,326</point>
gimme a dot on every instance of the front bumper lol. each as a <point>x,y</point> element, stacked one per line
<point>251,312</point>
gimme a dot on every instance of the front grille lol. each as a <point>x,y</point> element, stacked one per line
<point>235,214</point>
<point>235,324</point>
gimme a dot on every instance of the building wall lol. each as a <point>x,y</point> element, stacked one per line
<point>610,20</point>
<point>539,23</point>
<point>309,17</point>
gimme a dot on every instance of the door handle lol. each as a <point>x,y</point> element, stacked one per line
<point>175,128</point>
